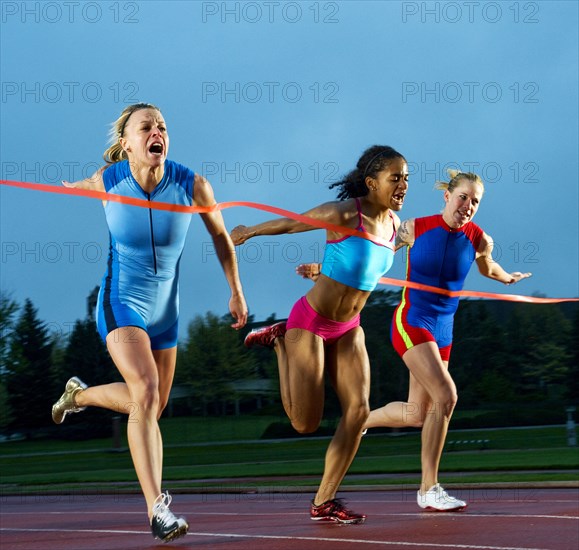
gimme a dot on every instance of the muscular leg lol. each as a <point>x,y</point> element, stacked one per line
<point>431,372</point>
<point>116,397</point>
<point>136,363</point>
<point>402,414</point>
<point>349,370</point>
<point>300,357</point>
<point>166,360</point>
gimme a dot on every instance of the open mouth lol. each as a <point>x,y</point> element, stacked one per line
<point>399,198</point>
<point>156,148</point>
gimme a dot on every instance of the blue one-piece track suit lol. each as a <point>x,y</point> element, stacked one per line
<point>141,285</point>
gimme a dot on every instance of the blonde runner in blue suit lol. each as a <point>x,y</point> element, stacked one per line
<point>137,309</point>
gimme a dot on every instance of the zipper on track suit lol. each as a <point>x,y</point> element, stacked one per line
<point>152,234</point>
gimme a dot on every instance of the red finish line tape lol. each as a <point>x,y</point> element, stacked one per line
<point>142,203</point>
<point>475,293</point>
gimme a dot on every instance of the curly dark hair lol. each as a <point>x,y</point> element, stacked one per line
<point>373,160</point>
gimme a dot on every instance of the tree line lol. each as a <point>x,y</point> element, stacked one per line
<point>506,358</point>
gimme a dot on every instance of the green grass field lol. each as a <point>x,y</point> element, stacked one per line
<point>226,452</point>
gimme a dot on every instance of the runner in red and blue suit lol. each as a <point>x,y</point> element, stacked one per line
<point>441,250</point>
<point>441,256</point>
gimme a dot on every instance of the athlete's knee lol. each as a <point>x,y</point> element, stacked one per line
<point>445,392</point>
<point>445,404</point>
<point>146,394</point>
<point>304,423</point>
<point>356,414</point>
<point>305,426</point>
<point>451,404</point>
<point>162,406</point>
<point>451,399</point>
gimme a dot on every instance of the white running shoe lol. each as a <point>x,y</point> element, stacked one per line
<point>436,498</point>
<point>165,525</point>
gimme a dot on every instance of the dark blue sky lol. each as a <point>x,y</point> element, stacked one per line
<point>272,101</point>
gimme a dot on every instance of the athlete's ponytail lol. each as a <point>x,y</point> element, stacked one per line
<point>456,177</point>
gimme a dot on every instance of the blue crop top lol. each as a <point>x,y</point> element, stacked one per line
<point>356,261</point>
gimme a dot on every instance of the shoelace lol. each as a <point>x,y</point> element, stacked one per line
<point>441,494</point>
<point>161,508</point>
<point>338,505</point>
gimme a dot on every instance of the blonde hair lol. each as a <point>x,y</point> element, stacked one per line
<point>456,177</point>
<point>115,153</point>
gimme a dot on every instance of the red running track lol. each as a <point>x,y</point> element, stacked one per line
<point>496,519</point>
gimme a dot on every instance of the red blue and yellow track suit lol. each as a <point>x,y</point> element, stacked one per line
<point>440,257</point>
